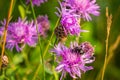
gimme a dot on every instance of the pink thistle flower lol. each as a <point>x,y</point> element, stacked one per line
<point>74,59</point>
<point>68,20</point>
<point>83,8</point>
<point>71,24</point>
<point>20,33</point>
<point>43,24</point>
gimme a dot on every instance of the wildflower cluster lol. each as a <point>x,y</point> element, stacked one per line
<point>73,10</point>
<point>73,59</point>
<point>24,32</point>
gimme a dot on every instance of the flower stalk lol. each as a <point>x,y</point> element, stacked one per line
<point>41,55</point>
<point>5,31</point>
<point>47,47</point>
<point>109,22</point>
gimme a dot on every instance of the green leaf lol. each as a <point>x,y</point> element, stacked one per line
<point>18,58</point>
<point>22,11</point>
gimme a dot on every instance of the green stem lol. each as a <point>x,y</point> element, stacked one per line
<point>46,49</point>
<point>53,67</point>
<point>22,3</point>
<point>34,16</point>
<point>36,72</point>
<point>41,59</point>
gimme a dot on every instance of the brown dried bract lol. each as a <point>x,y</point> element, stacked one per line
<point>5,61</point>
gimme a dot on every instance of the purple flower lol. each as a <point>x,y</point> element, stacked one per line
<point>19,34</point>
<point>36,2</point>
<point>70,23</point>
<point>69,20</point>
<point>82,8</point>
<point>43,24</point>
<point>74,59</point>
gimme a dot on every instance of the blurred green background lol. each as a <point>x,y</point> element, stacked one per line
<point>23,65</point>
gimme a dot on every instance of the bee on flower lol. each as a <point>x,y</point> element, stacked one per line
<point>73,59</point>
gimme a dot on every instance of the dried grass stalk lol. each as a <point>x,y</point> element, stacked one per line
<point>109,22</point>
<point>5,31</point>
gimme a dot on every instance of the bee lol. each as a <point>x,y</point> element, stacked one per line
<point>61,33</point>
<point>77,50</point>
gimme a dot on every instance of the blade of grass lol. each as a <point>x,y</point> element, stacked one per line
<point>46,49</point>
<point>41,55</point>
<point>111,53</point>
<point>112,49</point>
